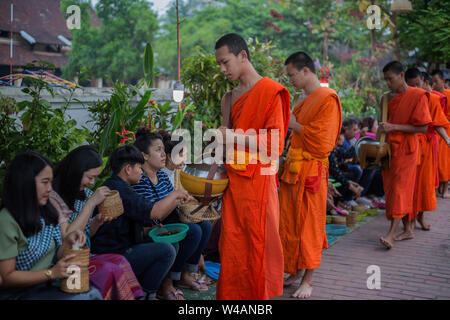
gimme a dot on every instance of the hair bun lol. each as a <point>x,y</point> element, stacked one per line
<point>142,131</point>
<point>166,135</point>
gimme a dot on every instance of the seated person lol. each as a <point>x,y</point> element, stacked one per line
<point>30,237</point>
<point>369,127</point>
<point>156,186</point>
<point>172,169</point>
<point>150,261</point>
<point>350,127</point>
<point>173,166</point>
<point>371,179</point>
<point>338,161</point>
<point>112,274</point>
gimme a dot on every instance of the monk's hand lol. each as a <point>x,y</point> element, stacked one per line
<point>448,141</point>
<point>386,127</point>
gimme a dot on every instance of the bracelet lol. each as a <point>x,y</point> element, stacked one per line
<point>48,273</point>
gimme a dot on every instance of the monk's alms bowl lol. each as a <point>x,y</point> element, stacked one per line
<point>193,177</point>
<point>370,146</point>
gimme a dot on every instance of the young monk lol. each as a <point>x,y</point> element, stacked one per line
<point>427,176</point>
<point>444,154</point>
<point>316,122</point>
<point>408,114</point>
<point>250,249</point>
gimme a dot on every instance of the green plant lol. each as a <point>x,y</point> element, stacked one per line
<point>149,65</point>
<point>116,113</point>
<point>207,85</point>
<point>35,125</point>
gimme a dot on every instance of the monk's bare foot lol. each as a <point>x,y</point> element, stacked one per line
<point>404,236</point>
<point>446,196</point>
<point>303,292</point>
<point>425,226</point>
<point>291,279</point>
<point>387,242</point>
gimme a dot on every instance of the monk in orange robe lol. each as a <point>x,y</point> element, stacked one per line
<point>444,154</point>
<point>316,122</point>
<point>408,114</point>
<point>251,254</point>
<point>427,179</point>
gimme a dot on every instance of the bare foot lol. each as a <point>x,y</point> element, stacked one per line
<point>388,243</point>
<point>446,196</point>
<point>425,226</point>
<point>291,279</point>
<point>404,236</point>
<point>303,292</point>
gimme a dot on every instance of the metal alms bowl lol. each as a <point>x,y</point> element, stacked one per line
<point>201,171</point>
<point>365,140</point>
<point>193,177</point>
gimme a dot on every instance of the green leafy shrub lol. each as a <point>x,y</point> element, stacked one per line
<point>35,125</point>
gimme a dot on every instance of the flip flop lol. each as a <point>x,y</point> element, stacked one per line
<point>195,285</point>
<point>204,279</point>
<point>341,211</point>
<point>171,295</point>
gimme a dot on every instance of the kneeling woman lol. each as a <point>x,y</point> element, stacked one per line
<point>30,237</point>
<point>155,186</point>
<point>111,273</point>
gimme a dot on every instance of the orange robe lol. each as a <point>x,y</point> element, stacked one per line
<point>427,175</point>
<point>409,107</point>
<point>304,183</point>
<point>250,249</point>
<point>444,150</point>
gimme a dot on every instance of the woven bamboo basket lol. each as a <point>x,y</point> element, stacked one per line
<point>112,206</point>
<point>351,219</point>
<point>339,220</point>
<point>202,213</point>
<point>82,257</point>
<point>84,282</point>
<point>359,208</point>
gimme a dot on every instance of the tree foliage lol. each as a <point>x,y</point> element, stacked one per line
<point>113,50</point>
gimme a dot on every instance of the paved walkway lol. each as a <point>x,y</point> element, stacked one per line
<point>412,269</point>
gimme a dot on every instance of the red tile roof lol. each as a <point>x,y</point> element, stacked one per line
<point>42,19</point>
<point>22,56</point>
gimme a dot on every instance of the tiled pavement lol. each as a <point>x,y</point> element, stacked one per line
<point>412,269</point>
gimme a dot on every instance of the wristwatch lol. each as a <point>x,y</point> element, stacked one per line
<point>48,273</point>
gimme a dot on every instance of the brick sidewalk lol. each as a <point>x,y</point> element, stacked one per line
<point>412,269</point>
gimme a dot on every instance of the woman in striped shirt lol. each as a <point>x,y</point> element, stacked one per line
<point>155,185</point>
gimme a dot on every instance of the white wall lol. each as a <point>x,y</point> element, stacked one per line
<point>86,96</point>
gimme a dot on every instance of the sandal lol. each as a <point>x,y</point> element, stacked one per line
<point>203,278</point>
<point>341,211</point>
<point>195,285</point>
<point>171,295</point>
